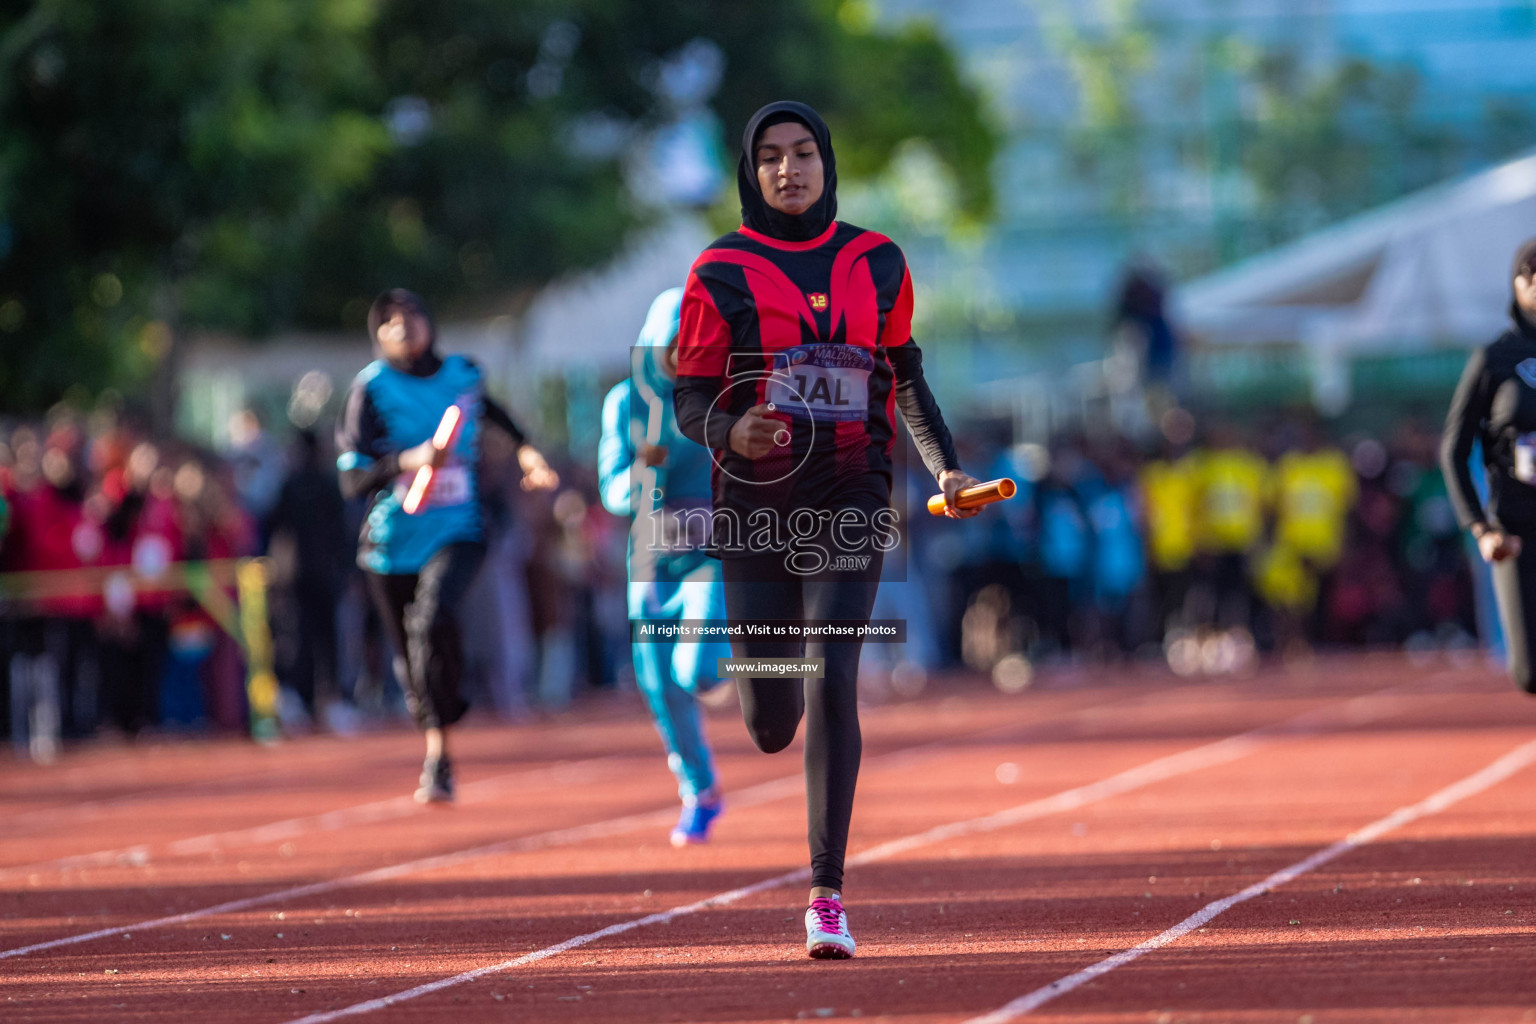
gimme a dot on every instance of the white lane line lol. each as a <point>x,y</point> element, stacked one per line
<point>719,900</point>
<point>235,784</point>
<point>1519,758</point>
<point>26,822</point>
<point>139,855</point>
<point>762,793</point>
<point>1355,711</point>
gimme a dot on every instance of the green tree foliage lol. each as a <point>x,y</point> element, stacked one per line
<point>249,165</point>
<point>1108,63</point>
<point>161,160</point>
<point>1325,146</point>
<point>875,89</point>
<point>1283,142</point>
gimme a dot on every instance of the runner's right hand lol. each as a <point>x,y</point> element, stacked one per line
<point>1496,545</point>
<point>538,474</point>
<point>424,454</point>
<point>953,481</point>
<point>753,434</point>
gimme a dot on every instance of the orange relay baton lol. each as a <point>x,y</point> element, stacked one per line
<point>421,486</point>
<point>975,497</point>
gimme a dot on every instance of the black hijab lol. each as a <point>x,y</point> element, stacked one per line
<point>385,306</point>
<point>755,211</point>
<point>1525,266</point>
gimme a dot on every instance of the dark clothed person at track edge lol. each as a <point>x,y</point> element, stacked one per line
<point>1495,406</point>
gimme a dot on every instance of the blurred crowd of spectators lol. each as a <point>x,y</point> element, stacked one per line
<point>1223,543</point>
<point>85,500</point>
<point>1218,543</point>
<point>101,630</point>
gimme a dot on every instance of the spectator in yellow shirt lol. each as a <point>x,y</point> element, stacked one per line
<point>1168,508</point>
<point>1231,485</point>
<point>1314,490</point>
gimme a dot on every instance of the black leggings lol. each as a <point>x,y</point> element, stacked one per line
<point>759,587</point>
<point>1514,585</point>
<point>420,613</point>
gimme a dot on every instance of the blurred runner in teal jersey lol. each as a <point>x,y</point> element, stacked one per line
<point>420,566</point>
<point>648,470</point>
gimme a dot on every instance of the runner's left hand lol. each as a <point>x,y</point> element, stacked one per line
<point>953,481</point>
<point>537,474</point>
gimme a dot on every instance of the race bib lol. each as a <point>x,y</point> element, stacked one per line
<point>826,383</point>
<point>1525,459</point>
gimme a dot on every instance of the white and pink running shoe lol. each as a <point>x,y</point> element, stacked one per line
<point>826,930</point>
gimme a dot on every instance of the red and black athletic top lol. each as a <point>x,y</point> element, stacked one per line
<point>823,330</point>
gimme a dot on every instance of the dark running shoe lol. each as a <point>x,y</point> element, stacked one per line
<point>436,782</point>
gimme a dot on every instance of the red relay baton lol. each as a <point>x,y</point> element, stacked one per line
<point>421,486</point>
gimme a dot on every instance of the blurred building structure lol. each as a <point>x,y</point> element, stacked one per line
<point>1380,307</point>
<point>1181,134</point>
<point>1423,274</point>
<point>1182,130</point>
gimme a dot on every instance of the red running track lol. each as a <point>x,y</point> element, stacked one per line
<point>1121,847</point>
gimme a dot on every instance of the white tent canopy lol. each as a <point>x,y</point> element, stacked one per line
<point>592,319</point>
<point>1431,269</point>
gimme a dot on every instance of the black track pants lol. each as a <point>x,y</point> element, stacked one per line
<point>773,706</point>
<point>420,612</point>
<point>1514,585</point>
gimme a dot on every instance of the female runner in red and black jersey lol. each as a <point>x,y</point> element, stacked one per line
<point>795,352</point>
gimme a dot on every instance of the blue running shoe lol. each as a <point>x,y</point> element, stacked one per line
<point>693,825</point>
